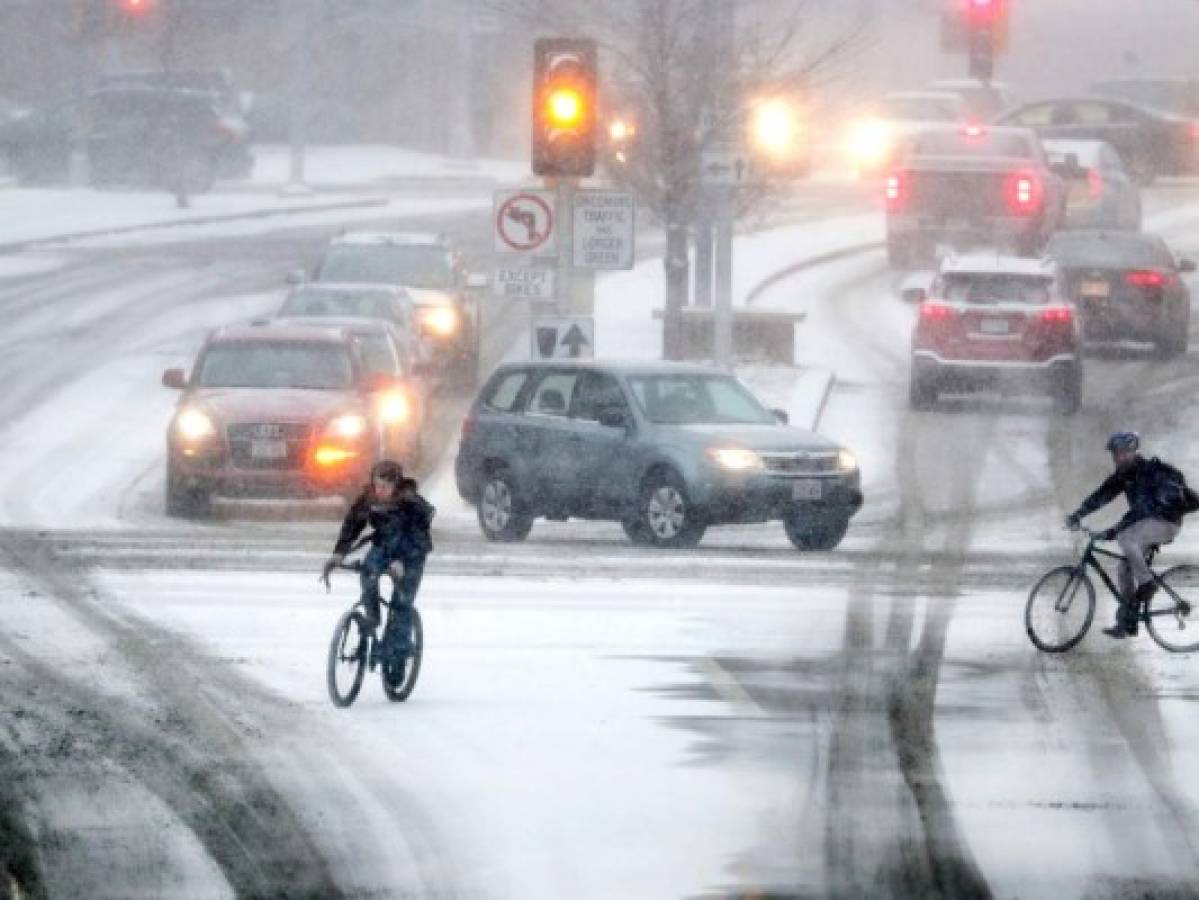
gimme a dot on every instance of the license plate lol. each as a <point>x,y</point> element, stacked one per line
<point>994,326</point>
<point>806,489</point>
<point>1094,288</point>
<point>268,449</point>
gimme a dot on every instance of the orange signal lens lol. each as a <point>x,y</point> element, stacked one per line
<point>565,106</point>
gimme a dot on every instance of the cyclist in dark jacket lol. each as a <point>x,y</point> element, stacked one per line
<point>1149,521</point>
<point>400,519</point>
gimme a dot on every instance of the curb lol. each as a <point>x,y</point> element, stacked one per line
<point>15,246</point>
<point>810,263</point>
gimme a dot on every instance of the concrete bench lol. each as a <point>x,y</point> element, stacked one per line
<point>758,334</point>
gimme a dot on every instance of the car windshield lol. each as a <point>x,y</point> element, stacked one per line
<point>989,143</point>
<point>416,266</point>
<point>697,399</point>
<point>315,301</point>
<point>1105,251</point>
<point>377,354</point>
<point>259,364</point>
<point>987,288</point>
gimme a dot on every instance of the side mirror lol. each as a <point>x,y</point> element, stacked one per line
<point>174,378</point>
<point>296,276</point>
<point>1186,265</point>
<point>476,281</point>
<point>613,417</point>
<point>781,415</point>
<point>914,295</point>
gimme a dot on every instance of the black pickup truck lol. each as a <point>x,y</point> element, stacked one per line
<point>966,187</point>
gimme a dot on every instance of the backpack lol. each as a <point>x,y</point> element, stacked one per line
<point>1172,499</point>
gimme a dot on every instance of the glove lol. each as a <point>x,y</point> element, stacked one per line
<point>1073,522</point>
<point>330,564</point>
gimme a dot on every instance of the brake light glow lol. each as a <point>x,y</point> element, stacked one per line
<point>1095,183</point>
<point>394,408</point>
<point>1146,278</point>
<point>1025,192</point>
<point>935,311</point>
<point>896,190</point>
<point>974,129</point>
<point>468,425</point>
<point>1057,315</point>
<point>327,456</point>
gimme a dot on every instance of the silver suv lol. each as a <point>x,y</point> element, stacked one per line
<point>665,449</point>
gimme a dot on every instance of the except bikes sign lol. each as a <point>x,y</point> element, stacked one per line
<point>524,223</point>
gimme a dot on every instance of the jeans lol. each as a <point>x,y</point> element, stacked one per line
<point>403,594</point>
<point>1134,541</point>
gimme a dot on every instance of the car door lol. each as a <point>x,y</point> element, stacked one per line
<point>606,453</point>
<point>549,446</point>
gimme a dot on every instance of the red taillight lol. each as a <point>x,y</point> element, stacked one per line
<point>934,311</point>
<point>1145,278</point>
<point>1024,192</point>
<point>896,190</point>
<point>1095,183</point>
<point>468,425</point>
<point>974,129</point>
<point>1057,315</point>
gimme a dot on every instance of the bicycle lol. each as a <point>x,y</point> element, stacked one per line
<point>354,649</point>
<point>1061,605</point>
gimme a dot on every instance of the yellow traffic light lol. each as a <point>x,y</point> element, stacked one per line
<point>565,107</point>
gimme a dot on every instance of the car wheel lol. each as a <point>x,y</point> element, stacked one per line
<point>184,501</point>
<point>502,514</point>
<point>636,531</point>
<point>666,514</point>
<point>1067,391</point>
<point>1175,341</point>
<point>816,532</point>
<point>922,392</point>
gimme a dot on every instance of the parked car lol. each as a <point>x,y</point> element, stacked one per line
<point>377,301</point>
<point>1174,95</point>
<point>1099,191</point>
<point>990,321</point>
<point>135,135</point>
<point>1150,142</point>
<point>666,449</point>
<point>965,186</point>
<point>276,410</point>
<point>1127,286</point>
<point>431,270</point>
<point>876,140</point>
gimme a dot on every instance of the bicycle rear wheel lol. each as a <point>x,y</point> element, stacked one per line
<point>347,659</point>
<point>399,676</point>
<point>1171,617</point>
<point>1060,609</point>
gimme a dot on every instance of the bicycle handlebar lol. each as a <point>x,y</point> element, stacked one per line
<point>1095,534</point>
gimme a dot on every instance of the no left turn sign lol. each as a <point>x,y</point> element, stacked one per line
<point>524,223</point>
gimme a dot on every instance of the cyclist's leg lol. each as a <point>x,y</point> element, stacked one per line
<point>1135,541</point>
<point>414,571</point>
<point>373,566</point>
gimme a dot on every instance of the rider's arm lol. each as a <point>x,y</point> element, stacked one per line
<point>353,524</point>
<point>1105,494</point>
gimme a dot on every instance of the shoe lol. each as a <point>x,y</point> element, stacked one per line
<point>1116,631</point>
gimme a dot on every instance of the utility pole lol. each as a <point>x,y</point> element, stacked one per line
<point>301,46</point>
<point>722,314</point>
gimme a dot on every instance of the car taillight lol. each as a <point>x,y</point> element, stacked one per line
<point>468,425</point>
<point>896,190</point>
<point>1095,183</point>
<point>1057,315</point>
<point>934,311</point>
<point>1146,278</point>
<point>1024,192</point>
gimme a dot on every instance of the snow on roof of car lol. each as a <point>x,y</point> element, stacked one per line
<point>411,238</point>
<point>997,264</point>
<point>923,95</point>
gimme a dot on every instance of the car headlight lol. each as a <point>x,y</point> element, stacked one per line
<point>193,425</point>
<point>735,459</point>
<point>440,320</point>
<point>846,461</point>
<point>348,426</point>
<point>394,408</point>
<point>869,142</point>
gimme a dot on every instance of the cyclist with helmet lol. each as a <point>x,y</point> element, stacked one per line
<point>400,520</point>
<point>1149,521</point>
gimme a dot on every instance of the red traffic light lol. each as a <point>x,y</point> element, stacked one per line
<point>137,7</point>
<point>983,12</point>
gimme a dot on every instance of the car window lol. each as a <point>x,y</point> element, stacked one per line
<point>697,399</point>
<point>1034,116</point>
<point>989,143</point>
<point>553,394</point>
<point>1094,114</point>
<point>986,288</point>
<point>309,302</point>
<point>258,364</point>
<point>414,265</point>
<point>377,354</point>
<point>594,393</point>
<point>1108,250</point>
<point>505,391</point>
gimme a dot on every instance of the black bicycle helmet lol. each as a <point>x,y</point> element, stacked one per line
<point>387,470</point>
<point>1122,441</point>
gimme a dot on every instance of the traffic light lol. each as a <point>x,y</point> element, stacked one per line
<point>134,8</point>
<point>564,100</point>
<point>979,27</point>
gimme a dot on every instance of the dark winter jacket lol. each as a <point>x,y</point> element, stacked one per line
<point>401,527</point>
<point>1139,482</point>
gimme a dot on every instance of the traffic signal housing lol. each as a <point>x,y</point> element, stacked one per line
<point>564,107</point>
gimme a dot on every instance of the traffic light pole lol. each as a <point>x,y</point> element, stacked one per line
<point>722,312</point>
<point>297,136</point>
<point>565,205</point>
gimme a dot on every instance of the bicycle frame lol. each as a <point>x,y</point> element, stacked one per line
<point>1089,559</point>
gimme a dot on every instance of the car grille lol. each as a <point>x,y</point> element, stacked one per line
<point>800,463</point>
<point>256,445</point>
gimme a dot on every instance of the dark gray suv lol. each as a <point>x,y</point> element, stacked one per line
<point>666,449</point>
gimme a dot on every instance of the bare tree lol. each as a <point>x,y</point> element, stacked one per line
<point>662,67</point>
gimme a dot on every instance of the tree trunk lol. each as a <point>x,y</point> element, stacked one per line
<point>677,269</point>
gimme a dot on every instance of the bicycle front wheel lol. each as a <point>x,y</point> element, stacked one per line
<point>1171,617</point>
<point>347,659</point>
<point>1060,609</point>
<point>399,675</point>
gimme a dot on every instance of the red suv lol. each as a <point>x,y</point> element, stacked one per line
<point>279,410</point>
<point>993,321</point>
